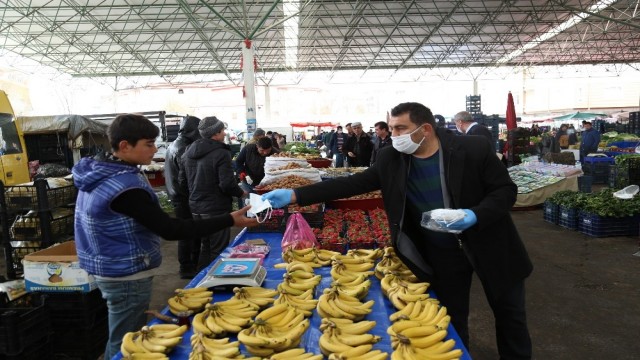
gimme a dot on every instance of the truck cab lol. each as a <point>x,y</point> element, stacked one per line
<point>14,165</point>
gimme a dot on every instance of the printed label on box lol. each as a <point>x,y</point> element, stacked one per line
<point>56,276</point>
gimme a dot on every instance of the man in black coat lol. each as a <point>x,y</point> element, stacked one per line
<point>429,169</point>
<point>467,126</point>
<point>250,162</point>
<point>209,176</point>
<point>359,147</point>
<point>188,249</point>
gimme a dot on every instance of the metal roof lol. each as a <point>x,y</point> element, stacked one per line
<point>188,40</point>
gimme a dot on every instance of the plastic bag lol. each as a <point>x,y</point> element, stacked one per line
<point>298,234</point>
<point>439,219</point>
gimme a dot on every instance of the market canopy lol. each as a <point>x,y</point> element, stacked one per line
<point>73,125</point>
<point>313,123</point>
<point>580,116</point>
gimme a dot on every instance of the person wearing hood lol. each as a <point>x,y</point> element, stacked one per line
<point>119,223</point>
<point>188,248</point>
<point>208,175</point>
<point>433,169</point>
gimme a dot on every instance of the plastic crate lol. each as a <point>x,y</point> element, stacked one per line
<point>338,246</point>
<point>274,224</point>
<point>584,183</point>
<point>24,325</point>
<point>77,309</point>
<point>568,217</point>
<point>21,248</point>
<point>315,218</point>
<point>362,204</point>
<point>363,244</point>
<point>599,159</point>
<point>81,343</point>
<point>598,226</point>
<point>40,349</point>
<point>27,227</point>
<point>550,212</point>
<point>24,197</point>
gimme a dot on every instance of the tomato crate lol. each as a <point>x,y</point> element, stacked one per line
<point>550,212</point>
<point>76,309</point>
<point>276,223</point>
<point>23,326</point>
<point>568,217</point>
<point>598,226</point>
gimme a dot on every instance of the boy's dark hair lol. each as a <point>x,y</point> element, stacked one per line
<point>382,125</point>
<point>264,143</point>
<point>131,128</point>
<point>418,113</point>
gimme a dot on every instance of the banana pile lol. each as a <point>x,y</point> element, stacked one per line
<point>152,342</point>
<point>391,262</point>
<point>256,295</point>
<point>204,348</point>
<point>274,330</point>
<point>401,292</point>
<point>294,354</point>
<point>367,254</point>
<point>333,304</point>
<point>312,256</point>
<point>298,286</point>
<point>224,317</point>
<point>429,347</point>
<point>189,300</point>
<point>341,338</point>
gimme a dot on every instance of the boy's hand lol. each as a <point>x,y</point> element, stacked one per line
<point>241,220</point>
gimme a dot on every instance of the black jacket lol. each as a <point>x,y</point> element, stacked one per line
<point>481,130</point>
<point>251,162</point>
<point>361,147</point>
<point>476,180</point>
<point>188,133</point>
<point>378,144</point>
<point>209,176</point>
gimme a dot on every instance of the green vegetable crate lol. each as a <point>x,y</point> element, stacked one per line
<point>598,226</point>
<point>568,217</point>
<point>551,212</point>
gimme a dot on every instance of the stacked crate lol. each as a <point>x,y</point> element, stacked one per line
<point>598,168</point>
<point>474,106</point>
<point>25,329</point>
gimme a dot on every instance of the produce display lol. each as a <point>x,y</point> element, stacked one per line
<point>331,173</point>
<point>288,182</point>
<point>156,339</point>
<point>353,229</point>
<point>529,181</point>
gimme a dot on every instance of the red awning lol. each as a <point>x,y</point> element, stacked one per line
<point>313,123</point>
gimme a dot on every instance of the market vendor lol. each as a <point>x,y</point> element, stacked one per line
<point>250,162</point>
<point>428,169</point>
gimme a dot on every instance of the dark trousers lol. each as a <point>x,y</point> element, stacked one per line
<point>188,249</point>
<point>452,285</point>
<point>211,245</point>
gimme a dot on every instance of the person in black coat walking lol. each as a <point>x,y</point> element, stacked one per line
<point>467,126</point>
<point>359,147</point>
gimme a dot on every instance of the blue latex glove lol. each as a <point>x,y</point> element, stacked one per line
<point>463,224</point>
<point>278,198</point>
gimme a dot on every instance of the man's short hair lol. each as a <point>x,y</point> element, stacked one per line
<point>131,128</point>
<point>348,125</point>
<point>382,125</point>
<point>264,143</point>
<point>418,113</point>
<point>339,128</point>
<point>463,116</point>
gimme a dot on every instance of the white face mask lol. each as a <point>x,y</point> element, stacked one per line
<point>405,144</point>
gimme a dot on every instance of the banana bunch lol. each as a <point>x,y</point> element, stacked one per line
<point>402,293</point>
<point>369,254</point>
<point>389,262</point>
<point>426,311</point>
<point>362,352</point>
<point>343,337</point>
<point>425,347</point>
<point>313,256</point>
<point>204,348</point>
<point>304,303</point>
<point>192,300</point>
<point>254,294</point>
<point>334,304</point>
<point>294,354</point>
<point>159,338</point>
<point>340,269</point>
<point>297,285</point>
<point>274,330</point>
<point>224,317</point>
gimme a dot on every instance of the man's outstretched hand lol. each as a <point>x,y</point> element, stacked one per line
<point>241,220</point>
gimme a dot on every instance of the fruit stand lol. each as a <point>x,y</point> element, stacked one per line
<point>311,339</point>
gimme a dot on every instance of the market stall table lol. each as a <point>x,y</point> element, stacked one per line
<point>381,309</point>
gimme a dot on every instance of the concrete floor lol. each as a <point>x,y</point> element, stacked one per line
<point>583,297</point>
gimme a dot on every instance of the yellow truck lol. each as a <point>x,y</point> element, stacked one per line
<point>14,165</point>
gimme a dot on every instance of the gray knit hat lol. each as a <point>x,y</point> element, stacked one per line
<point>210,126</point>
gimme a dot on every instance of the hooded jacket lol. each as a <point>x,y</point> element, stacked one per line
<point>208,174</point>
<point>188,134</point>
<point>475,180</point>
<point>109,243</point>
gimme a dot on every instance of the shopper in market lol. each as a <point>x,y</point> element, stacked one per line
<point>359,147</point>
<point>589,142</point>
<point>336,144</point>
<point>259,133</point>
<point>381,140</point>
<point>208,174</point>
<point>188,248</point>
<point>250,162</point>
<point>467,126</point>
<point>434,169</point>
<point>562,137</point>
<point>119,223</point>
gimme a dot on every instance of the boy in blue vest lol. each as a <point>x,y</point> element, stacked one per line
<point>119,223</point>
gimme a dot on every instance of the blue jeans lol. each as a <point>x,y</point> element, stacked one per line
<point>127,301</point>
<point>339,160</point>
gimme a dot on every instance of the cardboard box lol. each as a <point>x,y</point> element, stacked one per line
<point>56,269</point>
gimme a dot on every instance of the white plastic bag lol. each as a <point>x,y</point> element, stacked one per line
<point>439,219</point>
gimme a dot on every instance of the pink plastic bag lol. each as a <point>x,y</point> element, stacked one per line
<point>298,234</point>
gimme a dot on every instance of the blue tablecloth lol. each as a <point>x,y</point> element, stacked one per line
<point>381,309</point>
